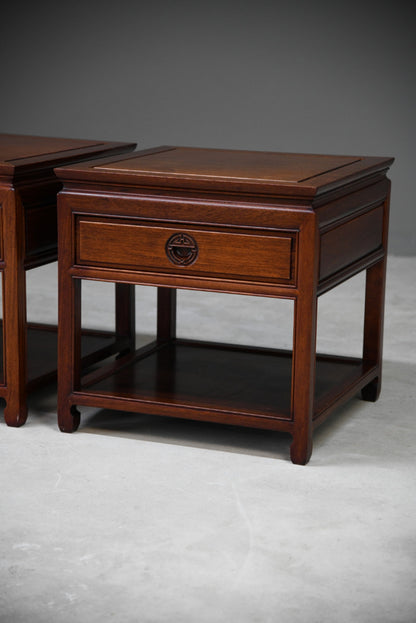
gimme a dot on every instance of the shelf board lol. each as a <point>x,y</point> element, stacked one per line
<point>180,376</point>
<point>42,341</point>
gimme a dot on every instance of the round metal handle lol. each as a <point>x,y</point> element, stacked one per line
<point>182,249</point>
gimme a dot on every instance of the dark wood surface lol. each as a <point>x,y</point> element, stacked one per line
<point>22,154</point>
<point>258,223</point>
<point>28,190</point>
<point>225,378</point>
<point>255,257</point>
<point>239,171</point>
<point>337,250</point>
<point>42,347</point>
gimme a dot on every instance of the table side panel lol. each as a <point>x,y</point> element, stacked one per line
<point>351,241</point>
<point>41,230</point>
<point>340,205</point>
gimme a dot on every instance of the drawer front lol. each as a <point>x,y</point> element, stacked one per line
<point>185,250</point>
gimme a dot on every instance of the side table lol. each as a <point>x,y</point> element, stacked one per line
<point>257,223</point>
<point>28,238</point>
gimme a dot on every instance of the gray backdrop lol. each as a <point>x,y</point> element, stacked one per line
<point>309,76</point>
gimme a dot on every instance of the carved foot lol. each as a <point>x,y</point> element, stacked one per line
<point>15,415</point>
<point>300,451</point>
<point>371,392</point>
<point>69,419</point>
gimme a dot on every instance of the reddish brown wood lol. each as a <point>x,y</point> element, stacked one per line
<point>69,327</point>
<point>300,175</point>
<point>126,315</point>
<point>14,311</point>
<point>257,257</point>
<point>304,343</point>
<point>166,314</point>
<point>374,314</point>
<point>28,189</point>
<point>222,382</point>
<point>40,234</point>
<point>336,250</point>
<point>281,225</point>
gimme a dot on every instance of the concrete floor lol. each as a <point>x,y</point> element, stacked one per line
<point>146,519</point>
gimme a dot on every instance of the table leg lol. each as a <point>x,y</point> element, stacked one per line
<point>373,326</point>
<point>166,314</point>
<point>69,328</point>
<point>374,312</point>
<point>303,379</point>
<point>69,350</point>
<point>14,307</point>
<point>126,316</point>
<point>304,343</point>
<point>15,333</point>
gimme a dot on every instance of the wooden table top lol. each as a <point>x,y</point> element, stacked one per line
<point>229,170</point>
<point>19,153</point>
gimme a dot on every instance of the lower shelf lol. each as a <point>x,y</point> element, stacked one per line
<point>42,341</point>
<point>181,376</point>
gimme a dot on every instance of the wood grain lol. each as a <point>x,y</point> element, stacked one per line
<point>268,224</point>
<point>246,256</point>
<point>28,228</point>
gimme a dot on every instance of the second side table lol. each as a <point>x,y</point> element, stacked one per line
<point>256,223</point>
<point>28,238</point>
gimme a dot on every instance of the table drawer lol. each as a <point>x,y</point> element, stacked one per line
<point>227,253</point>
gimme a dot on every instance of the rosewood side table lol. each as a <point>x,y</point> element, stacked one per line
<point>267,224</point>
<point>28,238</point>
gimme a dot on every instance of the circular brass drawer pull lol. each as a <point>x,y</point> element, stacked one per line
<point>182,249</point>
